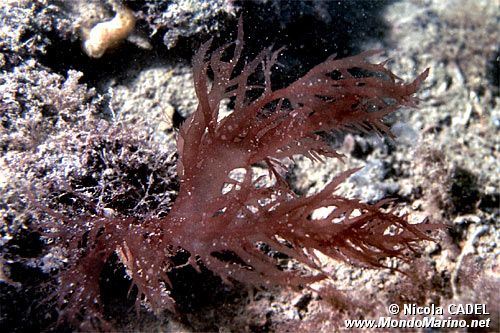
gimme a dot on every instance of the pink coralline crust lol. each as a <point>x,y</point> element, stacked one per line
<point>216,214</point>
